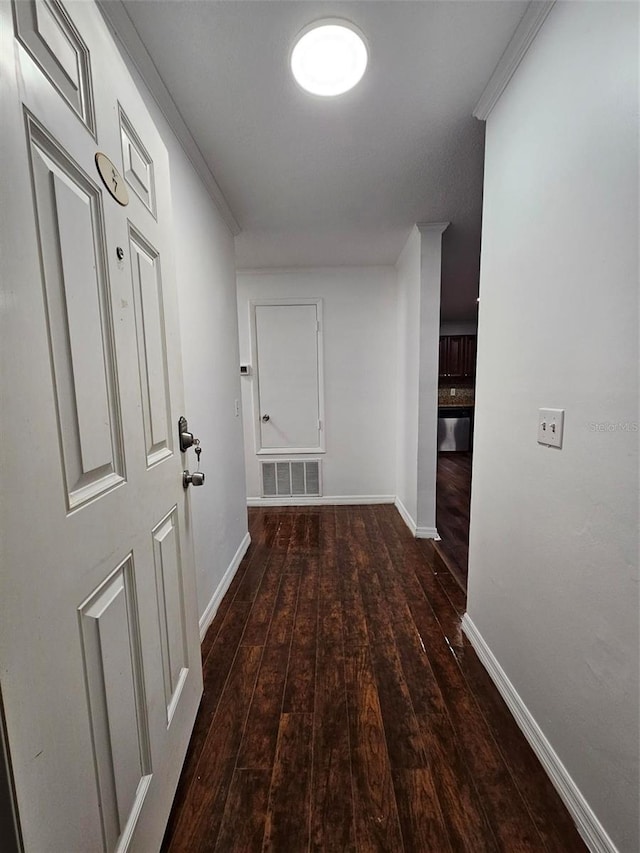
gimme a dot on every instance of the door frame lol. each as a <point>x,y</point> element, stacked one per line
<point>255,385</point>
<point>9,817</point>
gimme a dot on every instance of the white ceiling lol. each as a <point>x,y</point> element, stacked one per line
<point>318,182</point>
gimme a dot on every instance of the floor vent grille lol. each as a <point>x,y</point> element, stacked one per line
<point>291,478</point>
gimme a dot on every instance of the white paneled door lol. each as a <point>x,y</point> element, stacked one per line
<point>99,648</point>
<point>287,339</point>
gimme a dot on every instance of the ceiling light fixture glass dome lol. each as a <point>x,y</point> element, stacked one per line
<point>329,57</point>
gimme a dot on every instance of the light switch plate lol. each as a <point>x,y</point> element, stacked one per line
<point>550,427</point>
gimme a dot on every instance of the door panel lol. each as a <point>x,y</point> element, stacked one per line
<point>71,240</point>
<point>152,364</point>
<point>113,672</point>
<point>48,33</point>
<point>286,338</point>
<point>171,617</point>
<point>138,165</point>
<point>99,644</point>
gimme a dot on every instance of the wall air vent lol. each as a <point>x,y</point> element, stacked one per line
<point>291,478</point>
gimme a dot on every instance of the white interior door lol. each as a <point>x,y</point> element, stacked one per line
<point>99,648</point>
<point>288,376</point>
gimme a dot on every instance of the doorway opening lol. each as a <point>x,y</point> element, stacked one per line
<point>456,400</point>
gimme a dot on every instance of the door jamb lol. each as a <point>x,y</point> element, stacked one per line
<point>10,830</point>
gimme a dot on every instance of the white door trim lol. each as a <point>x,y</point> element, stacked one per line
<point>255,395</point>
<point>9,818</point>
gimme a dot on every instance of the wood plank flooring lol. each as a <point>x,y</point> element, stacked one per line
<point>453,502</point>
<point>345,711</point>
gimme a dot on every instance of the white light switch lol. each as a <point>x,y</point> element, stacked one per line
<point>550,427</point>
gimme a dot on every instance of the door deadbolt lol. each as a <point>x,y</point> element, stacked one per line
<point>266,418</point>
<point>188,440</point>
<point>195,479</point>
<point>186,437</point>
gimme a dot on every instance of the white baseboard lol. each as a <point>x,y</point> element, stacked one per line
<point>328,500</point>
<point>210,610</point>
<point>426,533</point>
<point>589,827</point>
<point>406,516</point>
<point>418,532</point>
<point>351,500</point>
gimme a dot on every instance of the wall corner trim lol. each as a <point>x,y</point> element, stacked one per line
<point>117,19</point>
<point>426,533</point>
<point>514,53</point>
<point>589,827</point>
<point>210,610</point>
<point>432,227</point>
<point>406,516</point>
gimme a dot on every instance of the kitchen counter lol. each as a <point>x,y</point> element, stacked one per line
<point>464,396</point>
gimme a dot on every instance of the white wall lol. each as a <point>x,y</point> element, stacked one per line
<point>553,563</point>
<point>408,320</point>
<point>205,273</point>
<point>205,264</point>
<point>359,306</point>
<point>418,272</point>
<point>430,282</point>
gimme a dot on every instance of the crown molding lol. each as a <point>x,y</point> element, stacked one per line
<point>432,227</point>
<point>521,41</point>
<point>117,19</point>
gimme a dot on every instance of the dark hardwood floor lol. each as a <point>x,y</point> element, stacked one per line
<point>345,711</point>
<point>453,501</point>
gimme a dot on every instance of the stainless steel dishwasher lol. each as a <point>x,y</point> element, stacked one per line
<point>454,428</point>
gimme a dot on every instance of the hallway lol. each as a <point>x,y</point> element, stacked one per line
<point>344,710</point>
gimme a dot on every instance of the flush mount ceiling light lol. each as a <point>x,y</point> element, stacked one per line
<point>329,57</point>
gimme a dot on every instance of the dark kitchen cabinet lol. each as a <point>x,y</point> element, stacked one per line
<point>469,363</point>
<point>457,357</point>
<point>444,356</point>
